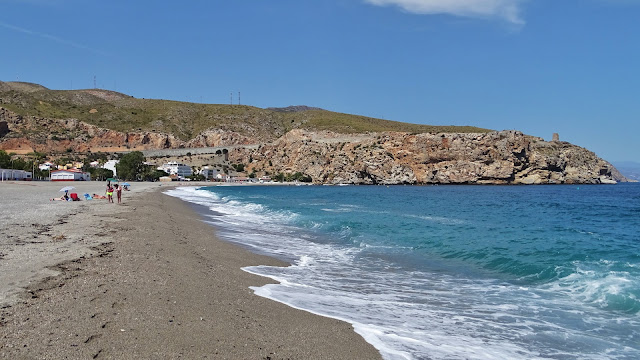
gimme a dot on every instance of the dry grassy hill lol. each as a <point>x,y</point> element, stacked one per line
<point>120,112</point>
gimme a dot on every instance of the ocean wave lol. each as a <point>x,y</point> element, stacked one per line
<point>604,284</point>
<point>416,287</point>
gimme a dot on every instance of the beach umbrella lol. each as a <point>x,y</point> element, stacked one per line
<point>112,179</point>
<point>125,184</point>
<point>67,188</point>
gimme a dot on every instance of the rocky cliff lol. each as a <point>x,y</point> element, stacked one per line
<point>505,157</point>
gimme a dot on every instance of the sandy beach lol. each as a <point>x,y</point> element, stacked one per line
<point>143,279</point>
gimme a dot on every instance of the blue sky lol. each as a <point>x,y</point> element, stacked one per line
<point>538,66</point>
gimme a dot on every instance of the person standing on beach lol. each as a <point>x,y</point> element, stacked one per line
<point>118,193</point>
<point>109,193</point>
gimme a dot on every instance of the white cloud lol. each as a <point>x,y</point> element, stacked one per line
<point>506,9</point>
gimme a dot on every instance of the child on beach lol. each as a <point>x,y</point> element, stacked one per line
<point>118,192</point>
<point>109,192</point>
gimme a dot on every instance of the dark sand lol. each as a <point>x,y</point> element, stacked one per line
<point>163,287</point>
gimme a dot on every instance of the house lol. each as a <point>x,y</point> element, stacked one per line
<point>70,175</point>
<point>94,164</point>
<point>46,166</point>
<point>174,168</point>
<point>264,179</point>
<point>111,165</point>
<point>12,174</point>
<point>209,172</point>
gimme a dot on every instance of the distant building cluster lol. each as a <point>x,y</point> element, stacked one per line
<point>176,172</point>
<point>181,171</point>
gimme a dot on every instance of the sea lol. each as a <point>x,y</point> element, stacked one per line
<point>449,272</point>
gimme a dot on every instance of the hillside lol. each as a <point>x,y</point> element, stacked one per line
<point>324,146</point>
<point>120,112</point>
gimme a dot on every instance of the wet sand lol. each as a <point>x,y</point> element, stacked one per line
<point>145,279</point>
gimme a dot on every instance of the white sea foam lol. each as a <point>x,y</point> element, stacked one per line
<point>425,315</point>
<point>437,219</point>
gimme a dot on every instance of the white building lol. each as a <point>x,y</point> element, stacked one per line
<point>111,165</point>
<point>70,175</point>
<point>174,168</point>
<point>209,172</point>
<point>46,166</point>
<point>11,174</point>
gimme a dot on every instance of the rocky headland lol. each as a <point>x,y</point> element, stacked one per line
<point>502,157</point>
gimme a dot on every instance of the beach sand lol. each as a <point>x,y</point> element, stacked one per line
<point>145,279</point>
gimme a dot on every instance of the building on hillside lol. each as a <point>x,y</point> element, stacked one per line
<point>111,165</point>
<point>12,174</point>
<point>46,166</point>
<point>209,172</point>
<point>70,175</point>
<point>174,168</point>
<point>94,164</point>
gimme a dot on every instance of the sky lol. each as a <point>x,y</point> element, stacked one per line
<point>538,66</point>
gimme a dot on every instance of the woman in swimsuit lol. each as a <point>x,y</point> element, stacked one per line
<point>109,192</point>
<point>118,193</point>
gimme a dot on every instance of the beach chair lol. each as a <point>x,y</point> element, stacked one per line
<point>87,197</point>
<point>74,197</point>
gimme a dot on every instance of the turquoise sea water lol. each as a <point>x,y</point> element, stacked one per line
<point>451,272</point>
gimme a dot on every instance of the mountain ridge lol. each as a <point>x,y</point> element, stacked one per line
<point>328,147</point>
<point>116,111</point>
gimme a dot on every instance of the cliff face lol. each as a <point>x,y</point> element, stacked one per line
<point>28,133</point>
<point>506,157</point>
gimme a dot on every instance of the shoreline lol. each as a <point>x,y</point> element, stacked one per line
<point>149,279</point>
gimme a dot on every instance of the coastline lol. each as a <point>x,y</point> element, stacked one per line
<point>145,279</point>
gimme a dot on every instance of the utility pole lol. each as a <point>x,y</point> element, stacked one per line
<point>231,99</point>
<point>238,97</point>
<point>94,82</point>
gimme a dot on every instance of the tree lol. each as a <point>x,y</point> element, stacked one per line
<point>5,159</point>
<point>131,166</point>
<point>21,164</point>
<point>100,173</point>
<point>152,174</point>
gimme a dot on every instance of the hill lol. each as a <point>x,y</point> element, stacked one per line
<point>20,86</point>
<point>311,143</point>
<point>120,112</point>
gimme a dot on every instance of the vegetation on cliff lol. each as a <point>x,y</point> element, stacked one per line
<point>120,112</point>
<point>295,143</point>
